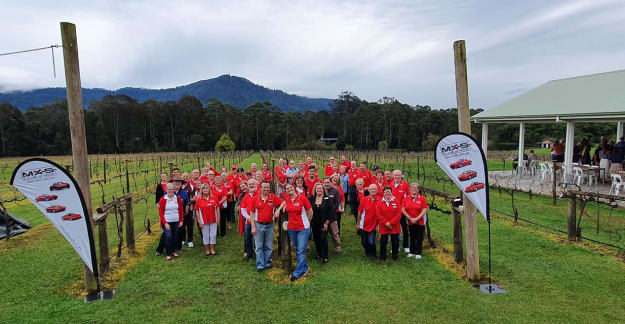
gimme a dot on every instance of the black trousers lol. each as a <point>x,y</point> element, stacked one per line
<point>394,245</point>
<point>321,240</point>
<point>223,215</point>
<point>231,212</point>
<point>405,232</point>
<point>367,239</point>
<point>338,221</point>
<point>416,238</point>
<point>185,233</point>
<point>352,195</point>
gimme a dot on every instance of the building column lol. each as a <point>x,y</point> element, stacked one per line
<point>568,147</point>
<point>619,131</point>
<point>521,143</point>
<point>485,139</point>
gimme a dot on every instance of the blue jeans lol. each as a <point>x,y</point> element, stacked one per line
<point>247,240</point>
<point>367,239</point>
<point>264,245</point>
<point>300,240</point>
<point>171,237</point>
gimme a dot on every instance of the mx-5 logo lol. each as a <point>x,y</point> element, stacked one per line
<point>38,174</point>
<point>453,148</point>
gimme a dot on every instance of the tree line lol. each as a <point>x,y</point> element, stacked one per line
<point>121,124</point>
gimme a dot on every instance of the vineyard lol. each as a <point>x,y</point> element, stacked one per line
<point>531,258</point>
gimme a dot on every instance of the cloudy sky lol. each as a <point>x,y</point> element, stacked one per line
<point>400,49</point>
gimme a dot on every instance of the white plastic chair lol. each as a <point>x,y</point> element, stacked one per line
<point>532,167</point>
<point>544,171</point>
<point>578,176</point>
<point>617,184</point>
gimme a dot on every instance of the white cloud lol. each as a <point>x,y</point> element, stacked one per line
<point>397,48</point>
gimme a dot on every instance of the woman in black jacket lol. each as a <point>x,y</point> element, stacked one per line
<point>161,188</point>
<point>322,207</point>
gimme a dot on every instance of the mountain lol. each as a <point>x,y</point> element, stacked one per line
<point>236,91</point>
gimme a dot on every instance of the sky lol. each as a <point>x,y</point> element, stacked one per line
<point>400,49</point>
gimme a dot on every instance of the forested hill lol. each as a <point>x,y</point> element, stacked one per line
<point>233,90</point>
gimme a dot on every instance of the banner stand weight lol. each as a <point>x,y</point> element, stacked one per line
<point>490,288</point>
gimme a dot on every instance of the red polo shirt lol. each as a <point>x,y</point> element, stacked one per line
<point>368,218</point>
<point>367,177</point>
<point>352,176</point>
<point>414,206</point>
<point>296,210</point>
<point>389,212</point>
<point>310,185</point>
<point>347,165</point>
<point>329,170</point>
<point>267,175</point>
<point>207,208</point>
<point>264,209</point>
<point>400,190</point>
<point>220,193</point>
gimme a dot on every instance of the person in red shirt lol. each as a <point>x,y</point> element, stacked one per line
<point>352,194</point>
<point>400,190</point>
<point>311,180</point>
<point>379,179</point>
<point>267,176</point>
<point>233,181</point>
<point>309,162</point>
<point>303,169</point>
<point>207,214</point>
<point>330,166</point>
<point>300,186</point>
<point>161,188</point>
<point>248,189</point>
<point>345,162</point>
<point>300,214</point>
<point>253,168</point>
<point>388,178</point>
<point>414,210</point>
<point>264,207</point>
<point>365,174</point>
<point>367,221</point>
<point>220,192</point>
<point>389,213</point>
<point>281,180</point>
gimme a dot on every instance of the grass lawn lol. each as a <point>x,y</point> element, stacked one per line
<point>548,282</point>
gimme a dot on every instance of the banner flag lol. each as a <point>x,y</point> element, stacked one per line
<point>56,194</point>
<point>463,160</point>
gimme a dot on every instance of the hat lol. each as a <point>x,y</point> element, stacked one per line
<point>233,167</point>
<point>177,178</point>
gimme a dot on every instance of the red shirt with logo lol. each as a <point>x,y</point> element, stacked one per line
<point>329,170</point>
<point>365,176</point>
<point>414,206</point>
<point>263,210</point>
<point>310,185</point>
<point>220,192</point>
<point>400,190</point>
<point>369,216</point>
<point>296,210</point>
<point>347,165</point>
<point>207,208</point>
<point>351,177</point>
<point>389,212</point>
<point>267,175</point>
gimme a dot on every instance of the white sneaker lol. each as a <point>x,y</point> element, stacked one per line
<point>418,256</point>
<point>410,255</point>
<point>407,250</point>
<point>183,242</point>
<point>190,244</point>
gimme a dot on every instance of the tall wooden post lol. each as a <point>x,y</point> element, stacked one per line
<point>77,128</point>
<point>130,225</point>
<point>464,126</point>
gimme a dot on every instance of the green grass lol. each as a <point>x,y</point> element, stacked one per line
<point>548,282</point>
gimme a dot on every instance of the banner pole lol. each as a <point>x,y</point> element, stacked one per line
<point>490,272</point>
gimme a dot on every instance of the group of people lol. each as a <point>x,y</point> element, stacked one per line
<point>380,201</point>
<point>609,155</point>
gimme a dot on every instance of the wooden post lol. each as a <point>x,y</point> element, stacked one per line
<point>75,109</point>
<point>104,170</point>
<point>464,125</point>
<point>103,245</point>
<point>130,225</point>
<point>285,251</point>
<point>572,218</point>
<point>458,254</point>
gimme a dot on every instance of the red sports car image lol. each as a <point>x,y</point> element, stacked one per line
<point>460,163</point>
<point>71,217</point>
<point>55,209</point>
<point>46,197</point>
<point>474,187</point>
<point>59,186</point>
<point>467,175</point>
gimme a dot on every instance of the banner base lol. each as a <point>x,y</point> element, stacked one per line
<point>103,295</point>
<point>490,289</point>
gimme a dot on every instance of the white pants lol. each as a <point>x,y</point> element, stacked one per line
<point>209,233</point>
<point>605,165</point>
